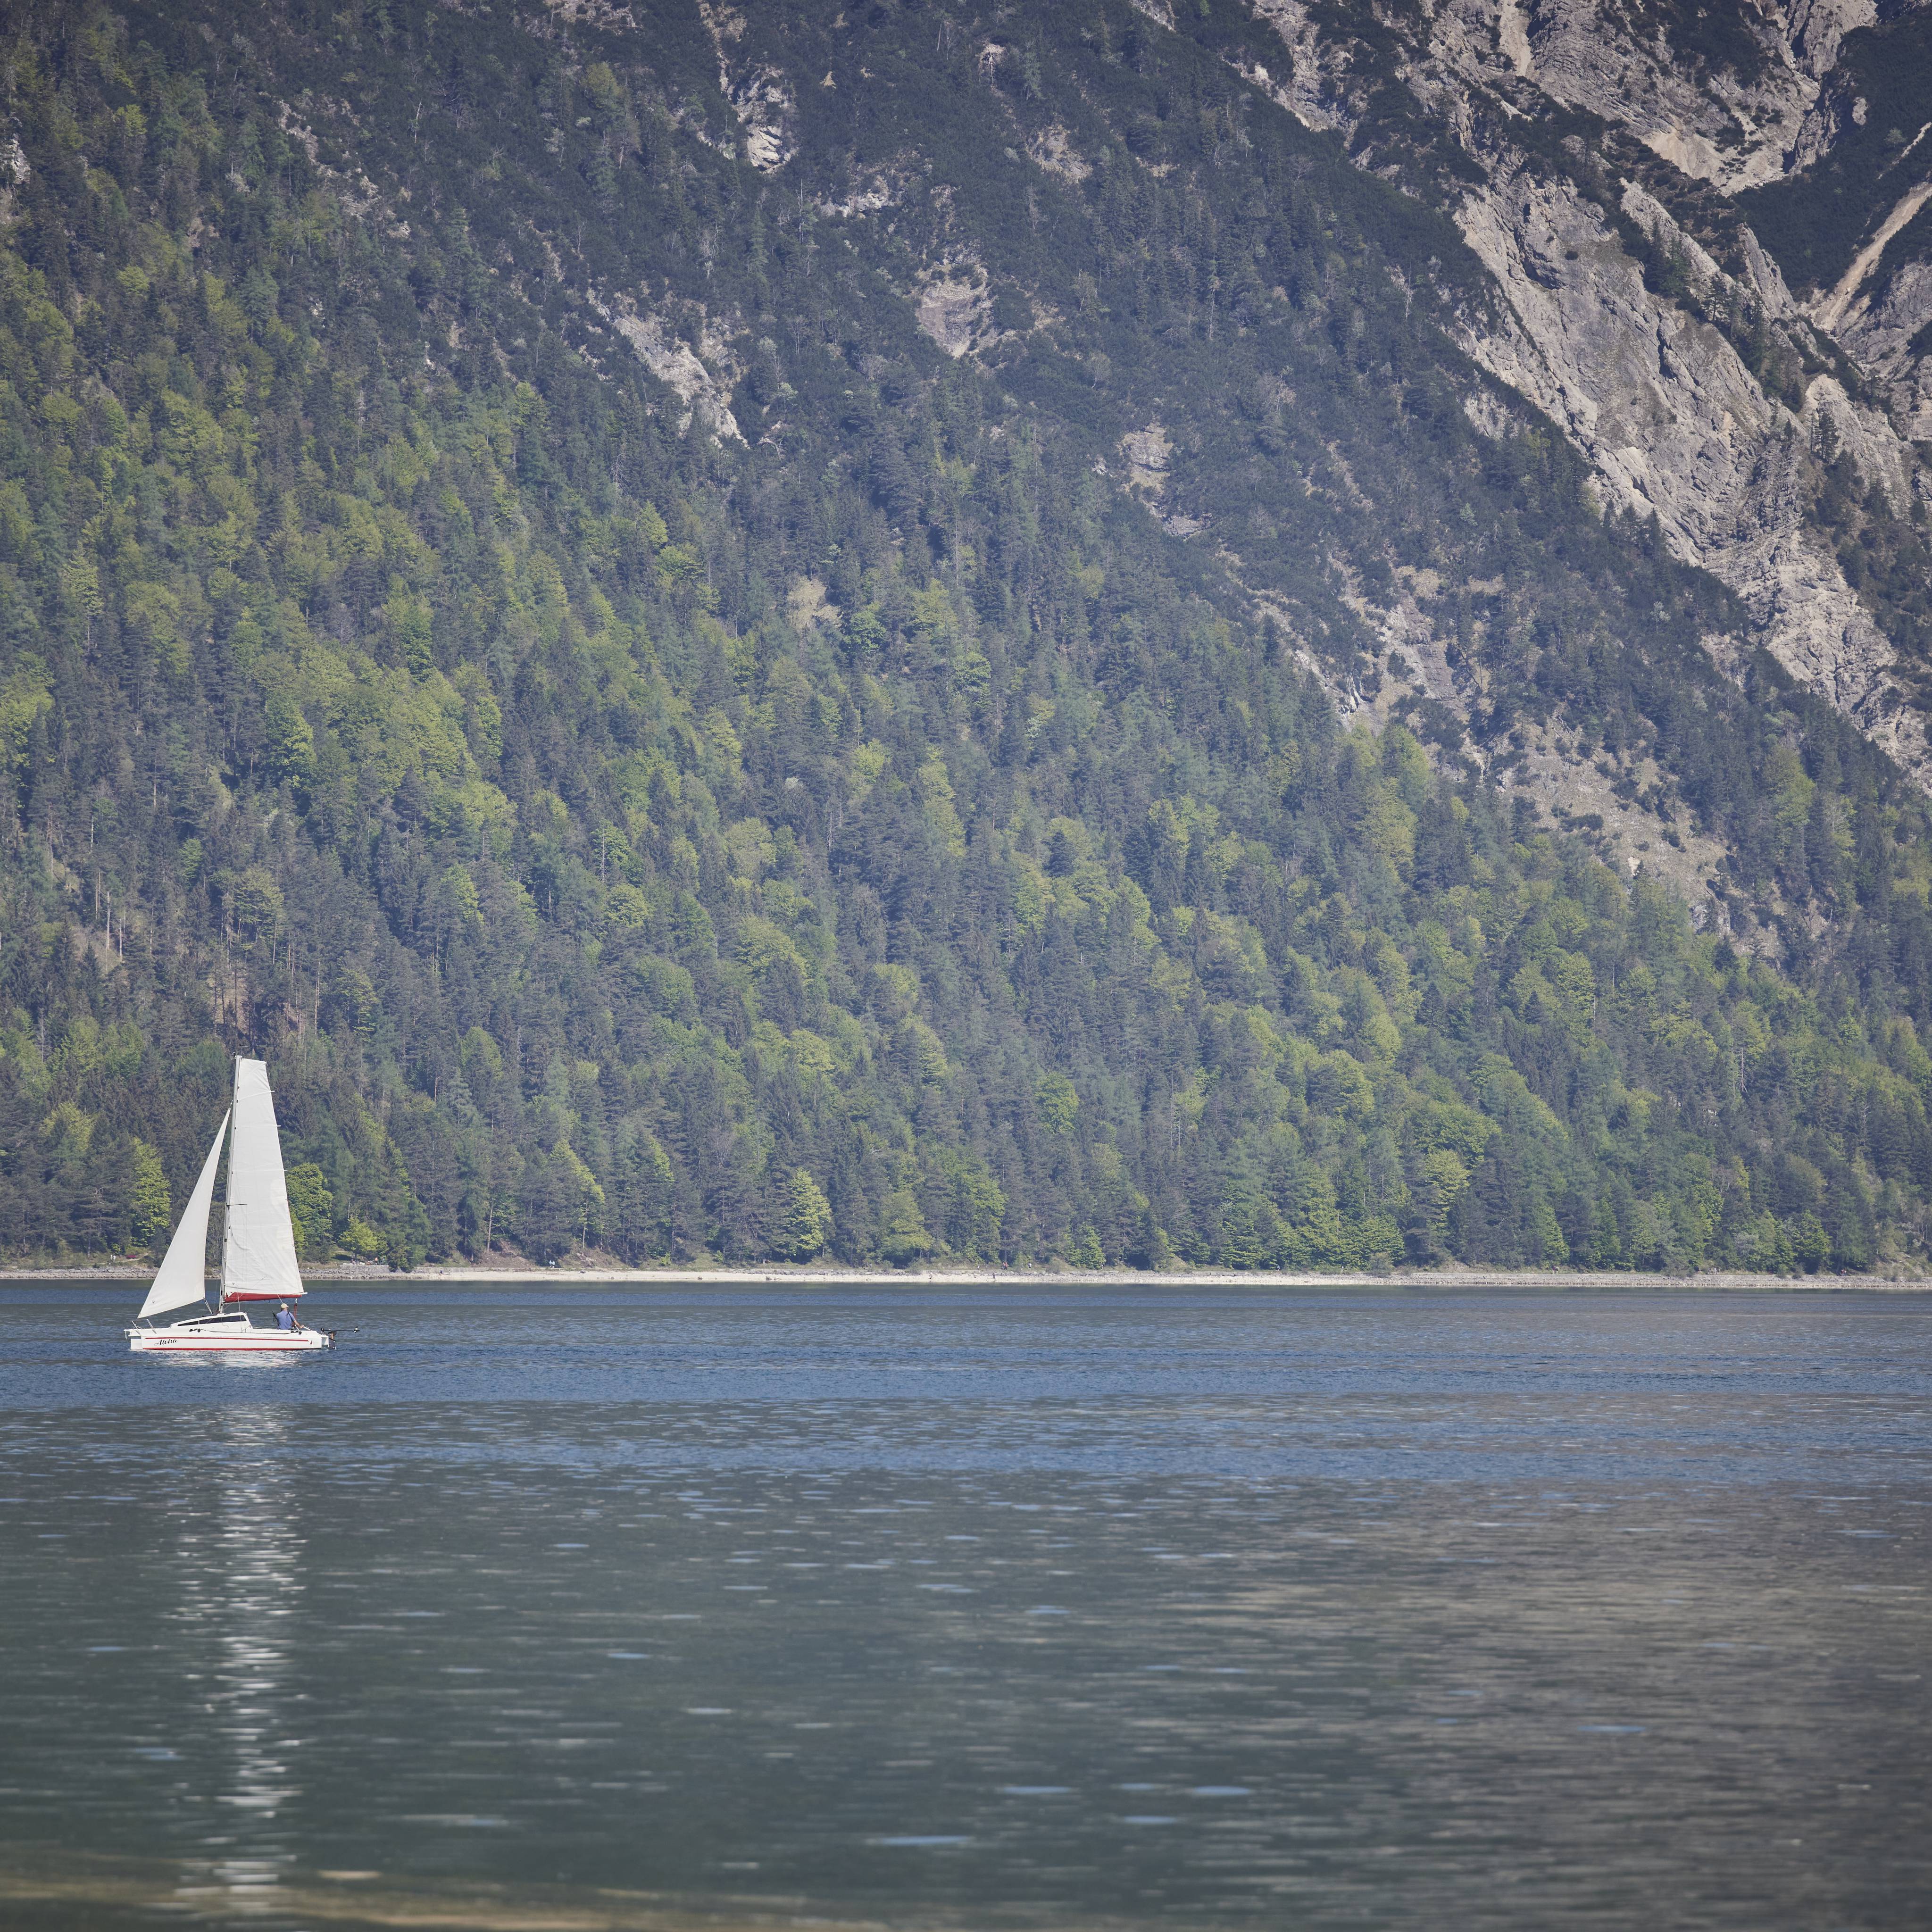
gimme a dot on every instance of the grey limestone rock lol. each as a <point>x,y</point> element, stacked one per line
<point>1659,399</point>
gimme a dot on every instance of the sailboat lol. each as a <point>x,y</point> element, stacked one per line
<point>258,1246</point>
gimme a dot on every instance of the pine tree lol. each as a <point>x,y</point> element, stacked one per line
<point>641,1195</point>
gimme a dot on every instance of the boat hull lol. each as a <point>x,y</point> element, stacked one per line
<point>184,1340</point>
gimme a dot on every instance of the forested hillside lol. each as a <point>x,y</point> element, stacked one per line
<point>715,661</point>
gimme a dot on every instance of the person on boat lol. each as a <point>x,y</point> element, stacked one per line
<point>285,1318</point>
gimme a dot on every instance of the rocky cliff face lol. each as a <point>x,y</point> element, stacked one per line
<point>1678,427</point>
<point>1735,101</point>
<point>1882,317</point>
<point>1590,153</point>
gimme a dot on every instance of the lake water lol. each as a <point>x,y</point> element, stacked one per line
<point>590,1608</point>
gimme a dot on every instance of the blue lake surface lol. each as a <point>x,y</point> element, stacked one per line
<point>598,1608</point>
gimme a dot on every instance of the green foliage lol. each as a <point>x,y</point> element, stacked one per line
<point>360,1242</point>
<point>1058,1103</point>
<point>24,701</point>
<point>903,1238</point>
<point>806,1225</point>
<point>312,1210</point>
<point>150,1206</point>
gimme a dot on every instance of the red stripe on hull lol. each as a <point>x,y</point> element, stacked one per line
<point>204,1345</point>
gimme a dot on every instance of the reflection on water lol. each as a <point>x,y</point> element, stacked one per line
<point>1133,1609</point>
<point>246,1605</point>
<point>212,1596</point>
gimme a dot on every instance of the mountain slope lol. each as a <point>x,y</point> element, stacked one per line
<point>1599,158</point>
<point>722,633</point>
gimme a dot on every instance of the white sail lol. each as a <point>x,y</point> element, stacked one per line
<point>183,1273</point>
<point>258,1259</point>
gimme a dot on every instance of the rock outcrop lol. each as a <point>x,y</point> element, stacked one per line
<point>1647,384</point>
<point>759,93</point>
<point>702,378</point>
<point>1880,332</point>
<point>1735,108</point>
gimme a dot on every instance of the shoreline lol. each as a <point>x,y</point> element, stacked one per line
<point>1436,1279</point>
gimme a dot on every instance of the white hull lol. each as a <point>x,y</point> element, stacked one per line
<point>188,1337</point>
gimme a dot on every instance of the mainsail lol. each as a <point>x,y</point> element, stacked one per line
<point>258,1259</point>
<point>184,1274</point>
